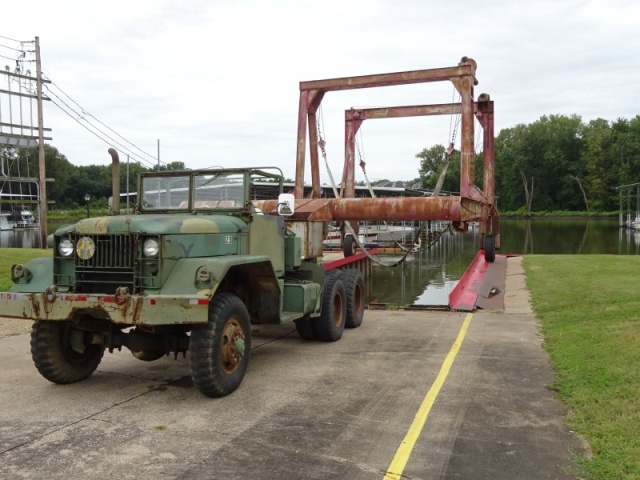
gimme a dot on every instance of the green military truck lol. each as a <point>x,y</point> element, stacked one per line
<point>191,270</point>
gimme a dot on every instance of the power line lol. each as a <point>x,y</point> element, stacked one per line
<point>79,117</point>
<point>8,58</point>
<point>17,41</point>
<point>94,133</point>
<point>95,130</point>
<point>103,124</point>
<point>10,48</point>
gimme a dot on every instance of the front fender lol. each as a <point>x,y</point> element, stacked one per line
<point>40,271</point>
<point>183,281</point>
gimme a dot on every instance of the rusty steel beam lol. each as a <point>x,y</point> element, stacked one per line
<point>349,171</point>
<point>389,79</point>
<point>396,209</point>
<point>484,114</point>
<point>404,111</point>
<point>452,208</point>
<point>302,142</point>
<point>464,86</point>
<point>307,108</point>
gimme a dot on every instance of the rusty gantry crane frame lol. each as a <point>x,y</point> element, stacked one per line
<point>473,204</point>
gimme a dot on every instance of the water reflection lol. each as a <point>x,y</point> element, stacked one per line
<point>20,238</point>
<point>429,277</point>
<point>568,236</point>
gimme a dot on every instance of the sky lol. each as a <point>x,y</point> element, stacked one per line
<point>216,82</point>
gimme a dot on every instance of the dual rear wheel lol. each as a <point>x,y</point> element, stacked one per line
<point>343,304</point>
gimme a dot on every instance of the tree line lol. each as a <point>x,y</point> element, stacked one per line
<point>555,163</point>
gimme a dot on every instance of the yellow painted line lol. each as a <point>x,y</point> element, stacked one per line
<point>394,472</point>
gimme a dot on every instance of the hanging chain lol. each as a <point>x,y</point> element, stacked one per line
<point>322,144</point>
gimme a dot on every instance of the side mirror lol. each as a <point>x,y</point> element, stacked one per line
<point>286,204</point>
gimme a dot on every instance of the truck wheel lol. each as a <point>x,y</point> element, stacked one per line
<point>220,348</point>
<point>54,356</point>
<point>306,329</point>
<point>330,325</point>
<point>489,244</point>
<point>355,295</point>
<point>348,246</point>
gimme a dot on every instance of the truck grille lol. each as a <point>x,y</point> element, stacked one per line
<point>111,266</point>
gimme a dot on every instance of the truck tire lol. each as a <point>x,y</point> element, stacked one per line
<point>489,245</point>
<point>54,356</point>
<point>306,329</point>
<point>348,246</point>
<point>221,347</point>
<point>355,295</point>
<point>330,325</point>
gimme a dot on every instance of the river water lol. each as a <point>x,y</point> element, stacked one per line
<point>427,277</point>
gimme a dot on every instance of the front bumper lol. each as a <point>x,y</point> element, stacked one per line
<point>149,310</point>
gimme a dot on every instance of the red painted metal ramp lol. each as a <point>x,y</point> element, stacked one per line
<point>481,286</point>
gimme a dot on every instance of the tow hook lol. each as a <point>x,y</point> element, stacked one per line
<point>50,294</point>
<point>122,294</point>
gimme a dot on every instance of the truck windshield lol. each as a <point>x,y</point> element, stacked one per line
<point>165,192</point>
<point>218,190</point>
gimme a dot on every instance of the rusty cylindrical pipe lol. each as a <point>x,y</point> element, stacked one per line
<point>378,209</point>
<point>115,182</point>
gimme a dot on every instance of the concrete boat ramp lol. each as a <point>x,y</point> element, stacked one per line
<point>409,394</point>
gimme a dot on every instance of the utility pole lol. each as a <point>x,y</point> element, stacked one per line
<point>42,212</point>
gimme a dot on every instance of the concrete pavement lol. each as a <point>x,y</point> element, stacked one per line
<point>305,410</point>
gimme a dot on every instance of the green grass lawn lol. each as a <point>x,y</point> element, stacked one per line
<point>9,256</point>
<point>590,313</point>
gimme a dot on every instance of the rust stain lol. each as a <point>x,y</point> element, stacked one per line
<point>137,309</point>
<point>35,305</point>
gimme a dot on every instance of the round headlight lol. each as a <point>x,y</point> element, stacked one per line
<point>150,247</point>
<point>65,247</point>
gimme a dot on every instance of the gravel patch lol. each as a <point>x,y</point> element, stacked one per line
<point>11,326</point>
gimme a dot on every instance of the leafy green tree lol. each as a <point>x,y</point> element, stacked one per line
<point>173,166</point>
<point>612,156</point>
<point>432,162</point>
<point>598,153</point>
<point>541,160</point>
<point>25,163</point>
